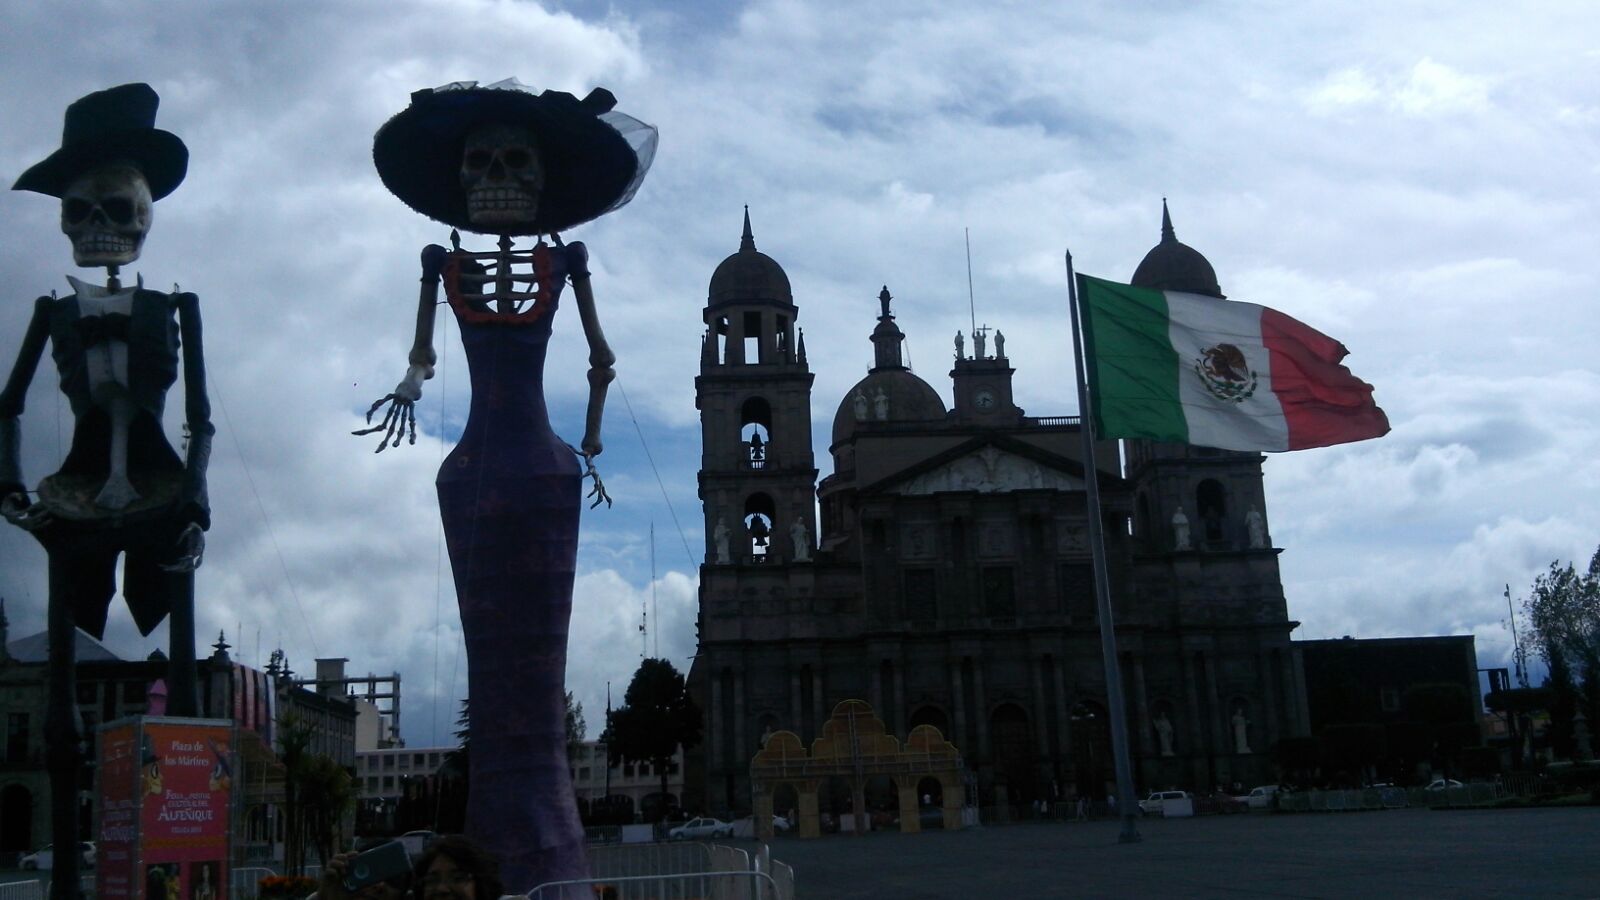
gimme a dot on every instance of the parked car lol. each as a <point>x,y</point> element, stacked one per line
<point>1261,797</point>
<point>1152,803</point>
<point>46,857</point>
<point>699,828</point>
<point>1439,784</point>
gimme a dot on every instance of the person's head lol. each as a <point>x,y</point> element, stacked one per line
<point>455,868</point>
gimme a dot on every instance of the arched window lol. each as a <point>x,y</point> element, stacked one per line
<point>930,715</point>
<point>755,431</point>
<point>1212,502</point>
<point>759,514</point>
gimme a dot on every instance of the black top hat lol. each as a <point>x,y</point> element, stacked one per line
<point>594,158</point>
<point>113,125</point>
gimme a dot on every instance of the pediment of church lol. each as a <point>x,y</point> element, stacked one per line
<point>989,470</point>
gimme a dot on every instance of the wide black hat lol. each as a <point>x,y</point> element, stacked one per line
<point>594,158</point>
<point>113,125</point>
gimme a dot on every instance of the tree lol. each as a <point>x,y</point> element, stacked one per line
<point>577,728</point>
<point>657,716</point>
<point>1564,609</point>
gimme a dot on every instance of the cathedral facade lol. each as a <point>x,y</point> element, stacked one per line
<point>942,571</point>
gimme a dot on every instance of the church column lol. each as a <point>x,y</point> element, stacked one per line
<point>819,709</point>
<point>735,355</point>
<point>716,721</point>
<point>795,714</point>
<point>900,698</point>
<point>982,712</point>
<point>876,680</point>
<point>1291,706</point>
<point>1269,695</point>
<point>1062,723</point>
<point>1197,743</point>
<point>1222,746</point>
<point>1141,705</point>
<point>742,750</point>
<point>1041,716</point>
<point>958,704</point>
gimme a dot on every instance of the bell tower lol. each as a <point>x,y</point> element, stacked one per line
<point>757,474</point>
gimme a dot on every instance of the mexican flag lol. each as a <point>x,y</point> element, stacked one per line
<point>1171,366</point>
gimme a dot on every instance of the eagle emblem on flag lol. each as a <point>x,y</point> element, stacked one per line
<point>1225,373</point>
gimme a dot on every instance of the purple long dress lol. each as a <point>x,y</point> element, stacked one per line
<point>509,495</point>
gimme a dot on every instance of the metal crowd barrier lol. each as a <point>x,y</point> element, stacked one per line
<point>244,883</point>
<point>625,860</point>
<point>686,886</point>
<point>22,890</point>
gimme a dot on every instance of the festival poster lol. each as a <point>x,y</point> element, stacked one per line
<point>119,811</point>
<point>186,785</point>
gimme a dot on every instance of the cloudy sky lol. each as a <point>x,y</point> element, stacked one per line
<point>1418,180</point>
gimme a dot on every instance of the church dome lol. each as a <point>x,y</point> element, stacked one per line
<point>907,398</point>
<point>1174,266</point>
<point>749,275</point>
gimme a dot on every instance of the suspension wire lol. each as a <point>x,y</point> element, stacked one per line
<point>646,445</point>
<point>244,464</point>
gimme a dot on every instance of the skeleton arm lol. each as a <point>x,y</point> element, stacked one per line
<point>13,493</point>
<point>403,413</point>
<point>601,359</point>
<point>194,500</point>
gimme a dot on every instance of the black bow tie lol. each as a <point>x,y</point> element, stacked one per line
<point>99,329</point>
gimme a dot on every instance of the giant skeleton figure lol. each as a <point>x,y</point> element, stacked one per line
<point>503,160</point>
<point>122,489</point>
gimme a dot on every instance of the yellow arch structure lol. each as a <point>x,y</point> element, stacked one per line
<point>855,746</point>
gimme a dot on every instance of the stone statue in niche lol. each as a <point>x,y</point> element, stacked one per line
<point>880,406</point>
<point>1164,732</point>
<point>801,540</point>
<point>858,405</point>
<point>1256,525</point>
<point>719,537</point>
<point>1241,731</point>
<point>1180,530</point>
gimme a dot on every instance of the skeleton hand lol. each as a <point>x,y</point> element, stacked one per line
<point>18,511</point>
<point>401,417</point>
<point>193,541</point>
<point>599,492</point>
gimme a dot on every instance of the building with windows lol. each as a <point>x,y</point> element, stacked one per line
<point>941,571</point>
<point>592,778</point>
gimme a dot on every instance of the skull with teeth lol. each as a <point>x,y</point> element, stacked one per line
<point>107,212</point>
<point>502,176</point>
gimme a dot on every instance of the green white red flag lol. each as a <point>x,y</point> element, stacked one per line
<point>1171,366</point>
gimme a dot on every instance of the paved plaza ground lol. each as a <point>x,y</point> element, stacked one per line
<point>1398,853</point>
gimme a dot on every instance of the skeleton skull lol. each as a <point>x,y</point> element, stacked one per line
<point>502,176</point>
<point>106,212</point>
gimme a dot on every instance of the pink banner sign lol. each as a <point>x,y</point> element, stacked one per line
<point>119,812</point>
<point>186,785</point>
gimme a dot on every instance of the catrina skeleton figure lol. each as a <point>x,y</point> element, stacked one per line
<point>505,161</point>
<point>122,490</point>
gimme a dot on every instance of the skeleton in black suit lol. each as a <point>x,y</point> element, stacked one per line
<point>122,490</point>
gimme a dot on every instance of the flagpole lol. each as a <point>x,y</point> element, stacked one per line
<point>1102,587</point>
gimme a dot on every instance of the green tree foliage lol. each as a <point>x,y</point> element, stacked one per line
<point>317,793</point>
<point>1563,607</point>
<point>577,728</point>
<point>656,717</point>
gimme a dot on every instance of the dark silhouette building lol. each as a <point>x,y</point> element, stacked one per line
<point>948,581</point>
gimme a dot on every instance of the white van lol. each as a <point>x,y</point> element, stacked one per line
<point>1261,797</point>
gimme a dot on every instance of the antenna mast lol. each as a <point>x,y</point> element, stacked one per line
<point>972,306</point>
<point>654,609</point>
